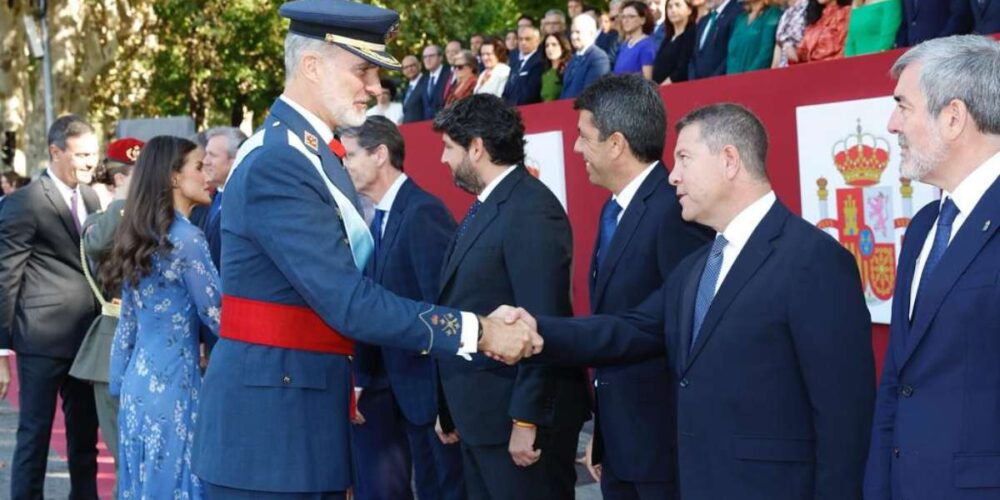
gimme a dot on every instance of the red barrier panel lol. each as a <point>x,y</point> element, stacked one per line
<point>773,95</point>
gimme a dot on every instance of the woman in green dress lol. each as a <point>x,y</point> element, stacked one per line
<point>751,45</point>
<point>557,52</point>
<point>873,26</point>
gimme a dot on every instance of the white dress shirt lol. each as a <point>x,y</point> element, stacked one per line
<point>493,184</point>
<point>495,85</point>
<point>739,230</point>
<point>966,196</point>
<point>394,112</point>
<point>385,204</point>
<point>624,197</point>
<point>67,195</point>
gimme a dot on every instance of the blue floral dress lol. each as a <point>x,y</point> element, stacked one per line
<point>154,367</point>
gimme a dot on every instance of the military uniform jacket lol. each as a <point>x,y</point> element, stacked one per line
<point>275,419</point>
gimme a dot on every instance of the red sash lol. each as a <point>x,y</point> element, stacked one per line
<point>284,326</point>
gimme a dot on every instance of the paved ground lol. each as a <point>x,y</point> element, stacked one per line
<point>57,479</point>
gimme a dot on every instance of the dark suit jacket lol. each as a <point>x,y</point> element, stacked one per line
<point>650,240</point>
<point>517,250</point>
<point>774,400</point>
<point>986,17</point>
<point>45,302</point>
<point>924,20</point>
<point>408,264</point>
<point>525,83</point>
<point>212,227</point>
<point>936,432</point>
<point>414,101</point>
<point>434,99</point>
<point>710,59</point>
<point>584,70</point>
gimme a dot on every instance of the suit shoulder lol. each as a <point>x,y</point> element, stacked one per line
<point>812,244</point>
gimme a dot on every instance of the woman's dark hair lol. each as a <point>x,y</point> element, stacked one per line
<point>12,178</point>
<point>107,170</point>
<point>567,51</point>
<point>499,47</point>
<point>390,86</point>
<point>669,27</point>
<point>642,9</point>
<point>814,11</point>
<point>148,213</point>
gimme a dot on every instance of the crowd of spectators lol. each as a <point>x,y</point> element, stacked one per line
<point>667,41</point>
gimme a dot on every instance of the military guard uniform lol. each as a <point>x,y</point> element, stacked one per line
<point>273,418</point>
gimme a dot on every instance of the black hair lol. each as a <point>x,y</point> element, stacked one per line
<point>489,118</point>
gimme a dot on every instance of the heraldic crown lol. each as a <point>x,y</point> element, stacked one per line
<point>861,158</point>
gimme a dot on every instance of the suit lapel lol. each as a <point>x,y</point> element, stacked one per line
<point>686,319</point>
<point>977,229</point>
<point>332,165</point>
<point>916,233</point>
<point>626,229</point>
<point>392,227</point>
<point>484,217</point>
<point>750,259</point>
<point>57,201</point>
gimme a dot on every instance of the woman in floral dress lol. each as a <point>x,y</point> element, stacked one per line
<point>169,288</point>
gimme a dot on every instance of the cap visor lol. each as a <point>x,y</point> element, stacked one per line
<point>378,58</point>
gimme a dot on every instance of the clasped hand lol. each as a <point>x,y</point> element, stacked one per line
<point>509,335</point>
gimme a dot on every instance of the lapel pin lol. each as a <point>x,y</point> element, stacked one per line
<point>986,226</point>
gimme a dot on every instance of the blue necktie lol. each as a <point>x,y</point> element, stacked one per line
<point>706,287</point>
<point>942,236</point>
<point>214,209</point>
<point>467,220</point>
<point>708,27</point>
<point>376,229</point>
<point>609,222</point>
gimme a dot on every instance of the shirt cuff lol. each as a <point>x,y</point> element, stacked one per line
<point>470,336</point>
<point>7,352</point>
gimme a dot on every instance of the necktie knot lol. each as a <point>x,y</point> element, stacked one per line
<point>609,222</point>
<point>949,211</point>
<point>337,148</point>
<point>719,245</point>
<point>467,220</point>
<point>377,222</point>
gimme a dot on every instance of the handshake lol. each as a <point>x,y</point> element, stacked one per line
<point>509,334</point>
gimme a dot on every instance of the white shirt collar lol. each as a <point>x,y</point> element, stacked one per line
<point>624,197</point>
<point>385,204</point>
<point>64,189</point>
<point>968,192</point>
<point>325,134</point>
<point>436,73</point>
<point>526,57</point>
<point>721,7</point>
<point>492,185</point>
<point>415,81</point>
<point>738,231</point>
<point>585,49</point>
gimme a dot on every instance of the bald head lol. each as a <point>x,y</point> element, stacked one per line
<point>411,67</point>
<point>584,31</point>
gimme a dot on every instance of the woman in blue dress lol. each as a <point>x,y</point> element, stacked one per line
<point>169,288</point>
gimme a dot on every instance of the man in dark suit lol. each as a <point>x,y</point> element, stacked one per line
<point>220,153</point>
<point>397,390</point>
<point>525,83</point>
<point>518,425</point>
<point>641,239</point>
<point>712,39</point>
<point>438,76</point>
<point>589,62</point>
<point>936,432</point>
<point>767,332</point>
<point>45,309</point>
<point>923,20</point>
<point>986,16</point>
<point>415,92</point>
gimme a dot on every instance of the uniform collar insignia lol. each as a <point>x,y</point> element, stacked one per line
<point>310,141</point>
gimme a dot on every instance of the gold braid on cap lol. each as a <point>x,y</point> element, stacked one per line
<point>357,44</point>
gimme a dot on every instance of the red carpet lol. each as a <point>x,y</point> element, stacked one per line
<point>105,463</point>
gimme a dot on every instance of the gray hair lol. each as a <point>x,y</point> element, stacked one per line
<point>234,137</point>
<point>65,127</point>
<point>964,68</point>
<point>295,45</point>
<point>731,124</point>
<point>558,13</point>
